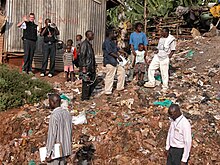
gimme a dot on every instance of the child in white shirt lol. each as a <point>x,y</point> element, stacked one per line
<point>140,62</point>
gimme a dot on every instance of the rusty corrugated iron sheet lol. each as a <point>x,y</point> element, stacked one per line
<point>71,16</point>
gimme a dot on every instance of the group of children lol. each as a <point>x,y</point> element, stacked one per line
<point>70,57</point>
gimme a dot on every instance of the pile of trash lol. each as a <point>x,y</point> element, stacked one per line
<point>129,127</point>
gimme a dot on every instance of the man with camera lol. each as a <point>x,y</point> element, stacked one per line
<point>49,32</point>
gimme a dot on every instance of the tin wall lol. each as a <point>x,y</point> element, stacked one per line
<point>72,17</point>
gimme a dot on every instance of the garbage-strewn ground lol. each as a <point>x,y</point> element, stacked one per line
<point>136,135</point>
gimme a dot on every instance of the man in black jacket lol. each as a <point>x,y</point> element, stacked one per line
<point>29,39</point>
<point>49,32</point>
<point>87,66</point>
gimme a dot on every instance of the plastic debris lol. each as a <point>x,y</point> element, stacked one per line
<point>122,135</point>
<point>165,103</point>
<point>31,162</point>
<point>64,97</point>
<point>77,91</point>
<point>128,103</point>
<point>190,54</point>
<point>158,78</point>
<point>80,119</point>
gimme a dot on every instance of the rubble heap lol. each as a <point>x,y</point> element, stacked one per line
<point>127,128</point>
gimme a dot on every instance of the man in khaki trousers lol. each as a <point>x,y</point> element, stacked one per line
<point>111,58</point>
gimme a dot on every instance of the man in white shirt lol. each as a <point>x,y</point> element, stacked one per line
<point>179,138</point>
<point>164,51</point>
<point>30,30</point>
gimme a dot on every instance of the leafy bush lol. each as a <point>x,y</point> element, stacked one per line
<point>17,89</point>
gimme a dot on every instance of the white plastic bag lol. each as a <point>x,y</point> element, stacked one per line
<point>123,62</point>
<point>64,104</point>
<point>80,119</point>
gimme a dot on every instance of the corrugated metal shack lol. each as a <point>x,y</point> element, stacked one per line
<point>72,17</point>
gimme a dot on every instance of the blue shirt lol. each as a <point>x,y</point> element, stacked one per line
<point>109,47</point>
<point>137,38</point>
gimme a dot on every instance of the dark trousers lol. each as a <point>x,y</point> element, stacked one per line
<point>49,50</point>
<point>88,87</point>
<point>175,156</point>
<point>29,49</point>
<point>59,161</point>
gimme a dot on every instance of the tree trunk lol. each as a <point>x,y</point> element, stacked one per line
<point>145,16</point>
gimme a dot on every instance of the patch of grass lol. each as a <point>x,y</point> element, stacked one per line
<point>17,89</point>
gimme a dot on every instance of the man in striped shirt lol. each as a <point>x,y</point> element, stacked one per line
<point>59,131</point>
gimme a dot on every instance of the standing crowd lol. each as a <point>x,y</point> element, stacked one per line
<point>82,55</point>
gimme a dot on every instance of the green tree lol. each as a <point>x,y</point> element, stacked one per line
<point>133,10</point>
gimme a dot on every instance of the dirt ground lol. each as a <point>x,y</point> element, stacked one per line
<point>127,128</point>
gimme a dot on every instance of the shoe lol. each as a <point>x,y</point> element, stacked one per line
<point>85,100</point>
<point>120,90</point>
<point>42,75</point>
<point>149,85</point>
<point>108,93</point>
<point>50,75</point>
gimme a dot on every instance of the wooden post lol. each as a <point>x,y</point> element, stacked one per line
<point>1,47</point>
<point>145,16</point>
<point>177,32</point>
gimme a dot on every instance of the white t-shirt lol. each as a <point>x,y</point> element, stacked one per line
<point>139,57</point>
<point>163,52</point>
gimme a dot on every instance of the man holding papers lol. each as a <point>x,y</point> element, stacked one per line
<point>59,132</point>
<point>111,61</point>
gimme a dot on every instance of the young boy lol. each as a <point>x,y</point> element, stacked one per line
<point>139,63</point>
<point>68,63</point>
<point>78,43</point>
<point>70,43</point>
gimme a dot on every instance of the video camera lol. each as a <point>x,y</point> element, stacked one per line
<point>52,25</point>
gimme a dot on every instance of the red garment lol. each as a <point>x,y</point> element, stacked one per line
<point>75,54</point>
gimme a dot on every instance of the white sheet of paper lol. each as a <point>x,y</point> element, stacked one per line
<point>23,26</point>
<point>57,152</point>
<point>123,62</point>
